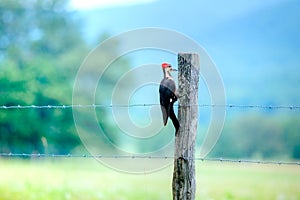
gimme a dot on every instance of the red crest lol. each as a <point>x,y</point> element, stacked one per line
<point>165,65</point>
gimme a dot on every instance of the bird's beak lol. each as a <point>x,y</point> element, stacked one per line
<point>174,70</point>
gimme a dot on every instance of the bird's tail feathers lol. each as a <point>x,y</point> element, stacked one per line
<point>174,120</point>
<point>165,115</point>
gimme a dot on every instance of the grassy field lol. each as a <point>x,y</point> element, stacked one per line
<point>87,179</point>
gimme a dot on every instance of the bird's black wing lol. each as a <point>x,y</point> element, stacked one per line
<point>166,105</point>
<point>167,99</point>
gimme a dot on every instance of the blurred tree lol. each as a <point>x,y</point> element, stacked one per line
<point>40,50</point>
<point>260,136</point>
<point>291,137</point>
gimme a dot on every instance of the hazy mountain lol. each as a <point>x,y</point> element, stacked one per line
<point>256,45</point>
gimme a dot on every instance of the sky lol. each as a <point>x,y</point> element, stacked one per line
<point>255,44</point>
<point>93,4</point>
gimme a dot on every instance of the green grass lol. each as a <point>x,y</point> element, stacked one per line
<point>87,179</point>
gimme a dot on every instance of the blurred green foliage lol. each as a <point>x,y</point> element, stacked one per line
<point>261,136</point>
<point>41,48</point>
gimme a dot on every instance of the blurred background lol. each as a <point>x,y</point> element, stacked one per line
<point>254,44</point>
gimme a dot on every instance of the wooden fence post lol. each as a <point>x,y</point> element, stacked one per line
<point>184,182</point>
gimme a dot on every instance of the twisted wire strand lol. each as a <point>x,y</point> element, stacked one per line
<point>270,107</point>
<point>221,160</point>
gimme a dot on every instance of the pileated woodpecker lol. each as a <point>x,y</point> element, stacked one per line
<point>167,94</point>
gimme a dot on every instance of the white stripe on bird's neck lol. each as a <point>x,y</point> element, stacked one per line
<point>167,74</point>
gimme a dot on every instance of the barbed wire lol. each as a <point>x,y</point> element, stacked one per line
<point>222,160</point>
<point>270,107</point>
<point>94,106</point>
